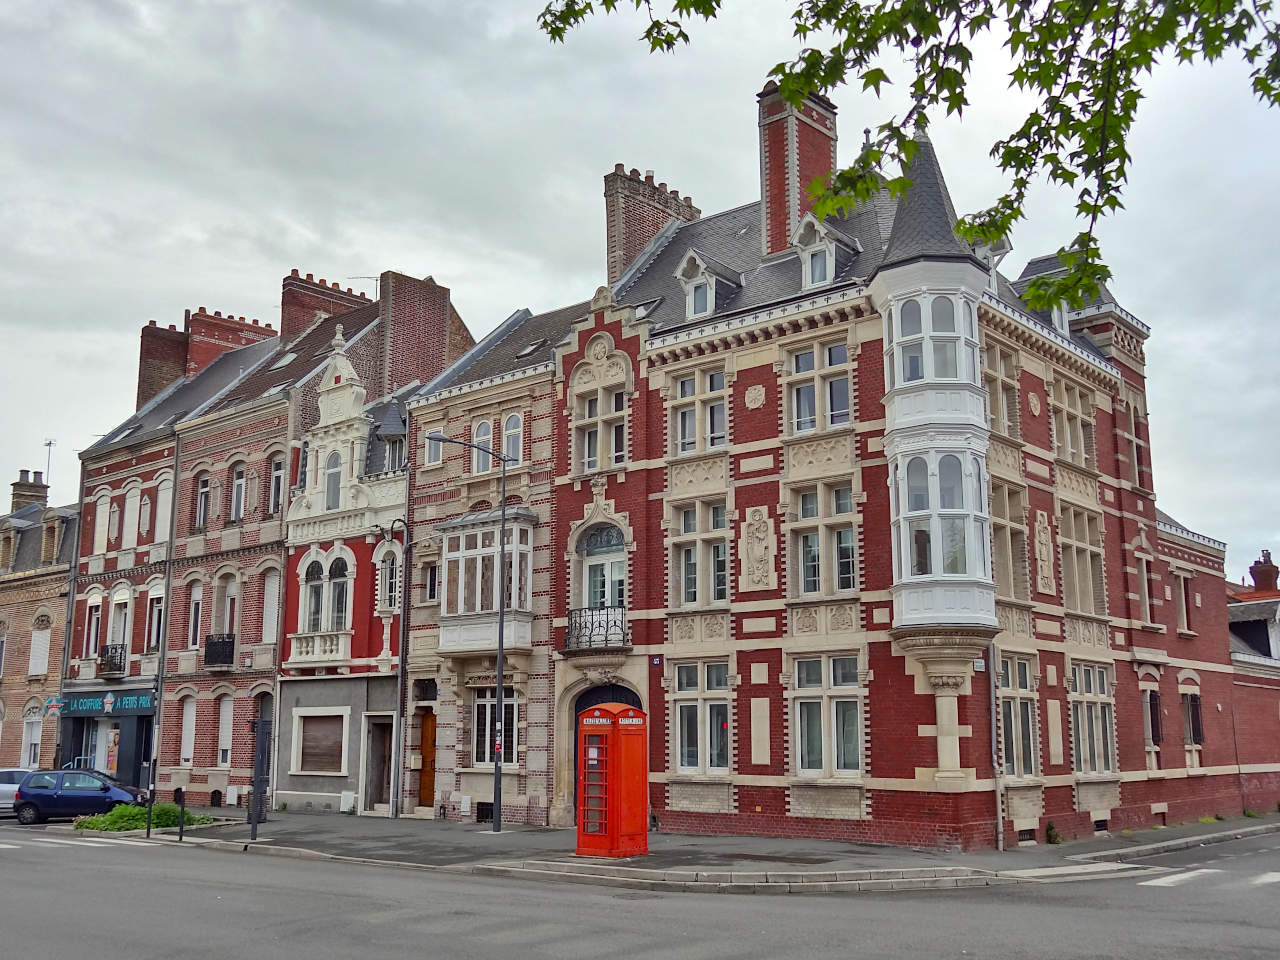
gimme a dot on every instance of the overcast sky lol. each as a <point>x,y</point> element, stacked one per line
<point>159,156</point>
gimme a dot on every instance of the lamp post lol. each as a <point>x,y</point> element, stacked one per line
<point>388,534</point>
<point>499,732</point>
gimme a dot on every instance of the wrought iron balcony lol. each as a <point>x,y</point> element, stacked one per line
<point>220,650</point>
<point>597,628</point>
<point>113,660</point>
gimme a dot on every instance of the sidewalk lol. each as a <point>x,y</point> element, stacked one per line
<point>721,863</point>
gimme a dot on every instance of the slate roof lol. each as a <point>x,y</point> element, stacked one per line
<point>924,226</point>
<point>1252,610</point>
<point>28,532</point>
<point>388,415</point>
<point>184,398</point>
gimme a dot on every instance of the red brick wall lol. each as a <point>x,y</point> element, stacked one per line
<point>635,211</point>
<point>162,359</point>
<point>303,300</point>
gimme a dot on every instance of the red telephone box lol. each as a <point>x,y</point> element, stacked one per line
<point>613,782</point>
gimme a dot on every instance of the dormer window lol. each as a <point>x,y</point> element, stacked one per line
<point>815,243</point>
<point>699,299</point>
<point>817,267</point>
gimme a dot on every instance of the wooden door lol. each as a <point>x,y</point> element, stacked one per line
<point>427,775</point>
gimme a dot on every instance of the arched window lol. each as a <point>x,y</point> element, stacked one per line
<point>333,481</point>
<point>911,319</point>
<point>917,485</point>
<point>512,439</point>
<point>979,488</point>
<point>203,495</point>
<point>226,713</point>
<point>482,436</point>
<point>950,483</point>
<point>338,594</point>
<point>390,581</point>
<point>227,600</point>
<point>238,490</point>
<point>315,595</point>
<point>187,748</point>
<point>944,315</point>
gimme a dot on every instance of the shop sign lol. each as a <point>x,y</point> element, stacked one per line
<point>111,703</point>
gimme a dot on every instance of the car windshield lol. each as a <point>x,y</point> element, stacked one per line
<point>109,778</point>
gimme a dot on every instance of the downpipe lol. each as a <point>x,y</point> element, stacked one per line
<point>997,773</point>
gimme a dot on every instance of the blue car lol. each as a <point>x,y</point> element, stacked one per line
<point>70,793</point>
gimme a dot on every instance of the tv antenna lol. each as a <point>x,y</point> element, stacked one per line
<point>49,444</point>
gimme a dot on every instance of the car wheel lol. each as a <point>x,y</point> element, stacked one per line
<point>27,815</point>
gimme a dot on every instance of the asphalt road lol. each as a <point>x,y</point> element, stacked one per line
<point>153,901</point>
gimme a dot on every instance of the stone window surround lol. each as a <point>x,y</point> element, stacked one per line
<point>603,371</point>
<point>702,539</point>
<point>828,694</point>
<point>1018,683</point>
<point>1003,383</point>
<point>1007,524</point>
<point>1072,422</point>
<point>1074,549</point>
<point>703,698</point>
<point>1101,721</point>
<point>817,342</point>
<point>325,558</point>
<point>701,401</point>
<point>380,553</point>
<point>295,745</point>
<point>826,524</point>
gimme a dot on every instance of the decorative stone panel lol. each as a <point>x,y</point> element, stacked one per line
<point>820,457</point>
<point>700,797</point>
<point>1014,621</point>
<point>687,478</point>
<point>1077,486</point>
<point>831,801</point>
<point>1024,805</point>
<point>1004,459</point>
<point>831,618</point>
<point>758,549</point>
<point>1097,795</point>
<point>695,628</point>
<point>1079,632</point>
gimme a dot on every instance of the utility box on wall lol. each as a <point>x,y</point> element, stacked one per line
<point>613,782</point>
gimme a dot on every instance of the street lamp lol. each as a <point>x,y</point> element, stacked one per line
<point>503,460</point>
<point>388,534</point>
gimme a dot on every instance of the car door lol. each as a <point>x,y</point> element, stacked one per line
<point>42,790</point>
<point>81,793</point>
<point>9,780</point>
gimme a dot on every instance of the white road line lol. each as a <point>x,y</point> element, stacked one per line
<point>1265,878</point>
<point>121,840</point>
<point>70,843</point>
<point>1176,879</point>
<point>10,846</point>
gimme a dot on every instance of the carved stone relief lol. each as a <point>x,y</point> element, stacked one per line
<point>757,545</point>
<point>1014,621</point>
<point>1004,459</point>
<point>755,397</point>
<point>704,473</point>
<point>1086,633</point>
<point>1077,485</point>
<point>822,456</point>
<point>1044,554</point>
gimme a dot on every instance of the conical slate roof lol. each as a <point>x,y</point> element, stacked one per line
<point>924,226</point>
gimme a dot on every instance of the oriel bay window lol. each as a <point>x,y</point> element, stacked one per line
<point>939,508</point>
<point>699,416</point>
<point>823,540</point>
<point>700,553</point>
<point>471,569</point>
<point>1092,716</point>
<point>484,730</point>
<point>827,697</point>
<point>1018,738</point>
<point>700,702</point>
<point>943,346</point>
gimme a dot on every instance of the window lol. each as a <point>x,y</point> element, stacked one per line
<point>911,343</point>
<point>1192,728</point>
<point>817,267</point>
<point>1000,374</point>
<point>237,494</point>
<point>482,436</point>
<point>314,595</point>
<point>1092,710</point>
<point>155,622</point>
<point>435,450</point>
<point>1080,539</point>
<point>1073,423</point>
<point>430,582</point>
<point>1152,727</point>
<point>1147,587</point>
<point>945,351</point>
<point>202,501</point>
<point>226,602</point>
<point>600,428</point>
<point>701,706</point>
<point>120,622</point>
<point>954,520</point>
<point>338,594</point>
<point>322,740</point>
<point>132,513</point>
<point>389,582</point>
<point>817,387</point>
<point>700,554</point>
<point>270,606</point>
<point>1009,541</point>
<point>333,481</point>
<point>700,294</point>
<point>1018,739</point>
<point>226,726</point>
<point>603,582</point>
<point>32,732</point>
<point>187,747</point>
<point>827,703</point>
<point>471,562</point>
<point>1184,597</point>
<point>699,418</point>
<point>394,454</point>
<point>93,628</point>
<point>512,439</point>
<point>825,557</point>
<point>485,730</point>
<point>275,494</point>
<point>919,530</point>
<point>113,523</point>
<point>193,615</point>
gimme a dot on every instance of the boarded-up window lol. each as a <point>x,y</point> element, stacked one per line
<point>322,744</point>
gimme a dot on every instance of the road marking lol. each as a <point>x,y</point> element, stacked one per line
<point>120,840</point>
<point>1265,878</point>
<point>70,843</point>
<point>10,846</point>
<point>1176,879</point>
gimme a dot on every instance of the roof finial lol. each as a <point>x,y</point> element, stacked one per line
<point>337,342</point>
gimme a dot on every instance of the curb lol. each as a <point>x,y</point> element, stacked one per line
<point>1171,846</point>
<point>70,829</point>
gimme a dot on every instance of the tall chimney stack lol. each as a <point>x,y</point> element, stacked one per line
<point>635,210</point>
<point>27,490</point>
<point>1264,572</point>
<point>797,145</point>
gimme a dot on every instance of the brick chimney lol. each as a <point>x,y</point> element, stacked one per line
<point>168,354</point>
<point>797,145</point>
<point>304,300</point>
<point>28,490</point>
<point>422,332</point>
<point>1263,571</point>
<point>635,210</point>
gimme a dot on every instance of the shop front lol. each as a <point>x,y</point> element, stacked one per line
<point>110,731</point>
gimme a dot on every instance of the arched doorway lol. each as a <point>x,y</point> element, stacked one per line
<point>605,693</point>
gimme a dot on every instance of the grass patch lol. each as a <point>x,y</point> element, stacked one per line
<point>1208,819</point>
<point>1252,813</point>
<point>130,817</point>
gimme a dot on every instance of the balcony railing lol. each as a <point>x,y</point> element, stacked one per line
<point>220,650</point>
<point>113,659</point>
<point>597,628</point>
<point>330,646</point>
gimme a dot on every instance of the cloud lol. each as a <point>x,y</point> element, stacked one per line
<point>162,156</point>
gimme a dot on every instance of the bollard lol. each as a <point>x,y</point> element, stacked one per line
<point>181,797</point>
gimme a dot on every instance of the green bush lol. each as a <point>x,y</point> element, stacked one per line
<point>129,817</point>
